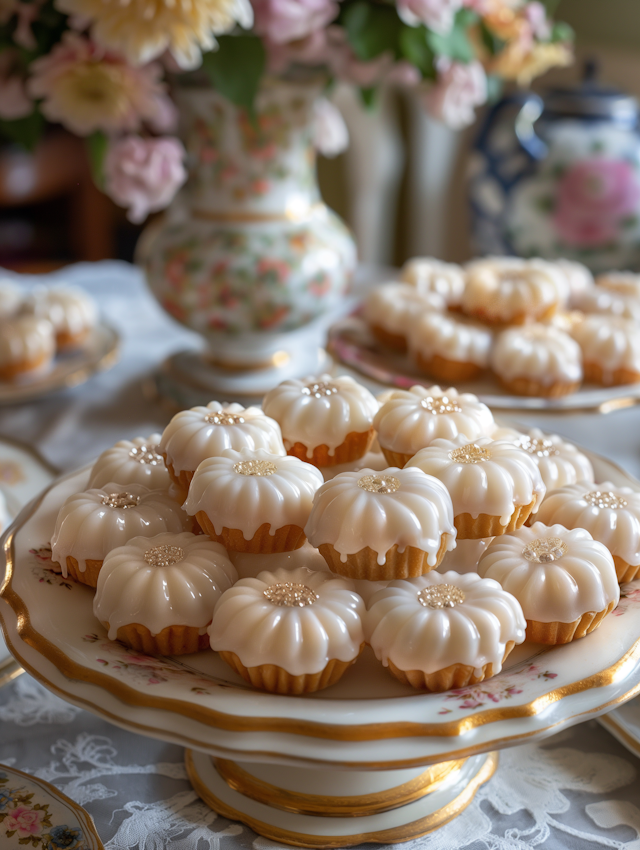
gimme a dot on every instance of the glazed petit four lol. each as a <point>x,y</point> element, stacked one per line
<point>579,279</point>
<point>449,347</point>
<point>494,486</point>
<point>443,631</point>
<point>72,312</point>
<point>624,283</point>
<point>537,360</point>
<point>429,275</point>
<point>382,525</point>
<point>325,420</point>
<point>134,461</point>
<point>564,579</point>
<point>610,349</point>
<point>601,300</point>
<point>157,594</point>
<point>289,631</point>
<point>610,514</point>
<point>389,310</point>
<point>201,432</point>
<point>253,501</point>
<point>411,419</point>
<point>92,523</point>
<point>559,461</point>
<point>508,290</point>
<point>27,346</point>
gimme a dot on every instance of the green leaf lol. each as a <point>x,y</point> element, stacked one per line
<point>97,145</point>
<point>369,97</point>
<point>495,87</point>
<point>415,49</point>
<point>491,41</point>
<point>24,131</point>
<point>235,69</point>
<point>562,32</point>
<point>371,30</point>
<point>455,44</point>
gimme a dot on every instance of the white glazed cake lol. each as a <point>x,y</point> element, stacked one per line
<point>72,312</point>
<point>289,631</point>
<point>564,579</point>
<point>610,349</point>
<point>411,419</point>
<point>254,501</point>
<point>382,525</point>
<point>602,300</point>
<point>325,420</point>
<point>429,275</point>
<point>92,523</point>
<point>202,432</point>
<point>622,282</point>
<point>537,359</point>
<point>508,290</point>
<point>27,346</point>
<point>559,461</point>
<point>390,309</point>
<point>494,486</point>
<point>449,346</point>
<point>610,514</point>
<point>157,594</point>
<point>134,461</point>
<point>579,279</point>
<point>443,631</point>
<point>11,297</point>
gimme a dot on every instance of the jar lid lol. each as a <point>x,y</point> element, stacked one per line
<point>592,100</point>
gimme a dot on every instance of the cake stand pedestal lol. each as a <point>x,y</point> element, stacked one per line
<point>339,808</point>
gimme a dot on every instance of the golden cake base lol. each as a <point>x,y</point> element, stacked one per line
<point>325,808</point>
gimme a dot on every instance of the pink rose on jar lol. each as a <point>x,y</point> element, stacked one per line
<point>24,821</point>
<point>593,199</point>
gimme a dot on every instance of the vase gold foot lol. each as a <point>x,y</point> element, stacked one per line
<point>293,806</point>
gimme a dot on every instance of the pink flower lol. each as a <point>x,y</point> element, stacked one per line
<point>314,49</point>
<point>144,175</point>
<point>24,821</point>
<point>459,90</point>
<point>404,73</point>
<point>330,134</point>
<point>536,15</point>
<point>438,15</point>
<point>14,101</point>
<point>87,89</point>
<point>282,21</point>
<point>593,198</point>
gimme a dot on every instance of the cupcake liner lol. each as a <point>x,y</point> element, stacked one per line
<point>484,525</point>
<point>285,539</point>
<point>89,575</point>
<point>356,444</point>
<point>443,369</point>
<point>364,564</point>
<point>558,633</point>
<point>624,570</point>
<point>396,341</point>
<point>172,640</point>
<point>454,676</point>
<point>398,459</point>
<point>182,479</point>
<point>611,377</point>
<point>529,387</point>
<point>271,677</point>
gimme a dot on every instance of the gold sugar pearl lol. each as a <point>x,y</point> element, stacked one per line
<point>598,499</point>
<point>440,405</point>
<point>470,453</point>
<point>146,455</point>
<point>286,594</point>
<point>379,483</point>
<point>545,550</point>
<point>120,500</point>
<point>222,418</point>
<point>319,389</point>
<point>164,556</point>
<point>538,446</point>
<point>440,596</point>
<point>261,468</point>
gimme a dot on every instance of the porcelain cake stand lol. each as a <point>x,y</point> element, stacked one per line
<point>367,760</point>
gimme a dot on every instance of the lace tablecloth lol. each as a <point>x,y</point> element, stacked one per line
<point>580,789</point>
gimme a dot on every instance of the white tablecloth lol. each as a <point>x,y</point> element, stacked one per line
<point>577,790</point>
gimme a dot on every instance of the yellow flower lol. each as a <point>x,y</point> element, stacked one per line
<point>522,65</point>
<point>141,30</point>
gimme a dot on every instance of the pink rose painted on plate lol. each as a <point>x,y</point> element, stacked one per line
<point>594,197</point>
<point>24,821</point>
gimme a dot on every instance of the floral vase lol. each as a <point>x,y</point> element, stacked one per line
<point>248,255</point>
